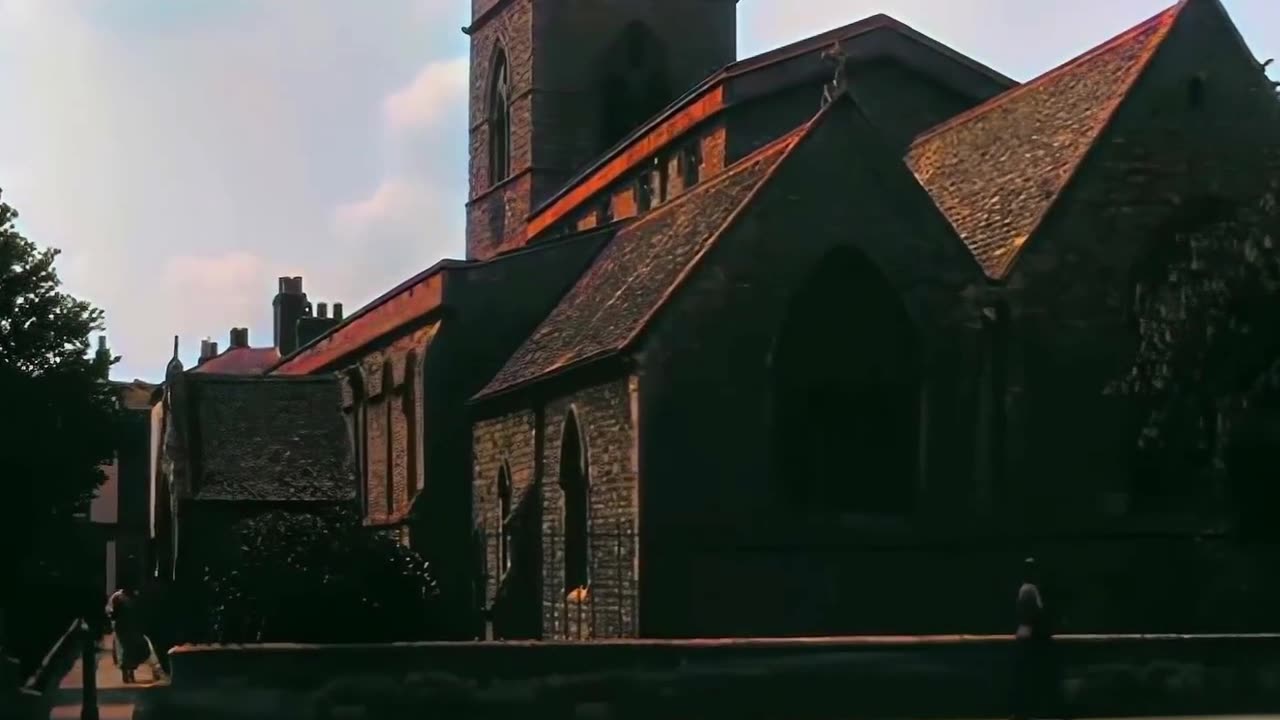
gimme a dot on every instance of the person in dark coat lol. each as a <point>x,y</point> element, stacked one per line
<point>1033,677</point>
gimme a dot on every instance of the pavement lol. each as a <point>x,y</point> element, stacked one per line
<point>116,700</point>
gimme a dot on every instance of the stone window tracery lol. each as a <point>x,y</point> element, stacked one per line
<point>499,120</point>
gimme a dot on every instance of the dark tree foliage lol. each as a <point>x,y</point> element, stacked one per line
<point>318,578</point>
<point>60,427</point>
<point>1207,370</point>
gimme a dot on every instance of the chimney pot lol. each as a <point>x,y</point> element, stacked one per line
<point>322,310</point>
<point>102,342</point>
<point>208,349</point>
<point>239,338</point>
<point>291,286</point>
<point>337,311</point>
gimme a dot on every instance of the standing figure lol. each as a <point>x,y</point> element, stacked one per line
<point>1032,677</point>
<point>131,644</point>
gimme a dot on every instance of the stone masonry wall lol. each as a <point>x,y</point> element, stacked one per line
<point>498,206</point>
<point>507,441</point>
<point>389,444</point>
<point>610,609</point>
<point>604,418</point>
<point>622,194</point>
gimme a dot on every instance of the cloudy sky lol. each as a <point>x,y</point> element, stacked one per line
<point>185,153</point>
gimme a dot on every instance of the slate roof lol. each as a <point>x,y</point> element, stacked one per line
<point>268,439</point>
<point>634,274</point>
<point>240,361</point>
<point>995,170</point>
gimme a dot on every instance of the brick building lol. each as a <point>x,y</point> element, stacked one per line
<point>118,511</point>
<point>757,347</point>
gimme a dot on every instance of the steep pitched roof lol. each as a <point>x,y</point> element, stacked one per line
<point>240,361</point>
<point>995,170</point>
<point>268,439</point>
<point>633,275</point>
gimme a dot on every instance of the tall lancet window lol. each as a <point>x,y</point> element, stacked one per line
<point>499,120</point>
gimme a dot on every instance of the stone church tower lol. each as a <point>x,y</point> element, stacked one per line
<point>556,83</point>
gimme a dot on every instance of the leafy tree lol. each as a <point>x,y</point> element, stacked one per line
<point>301,577</point>
<point>60,428</point>
<point>1207,370</point>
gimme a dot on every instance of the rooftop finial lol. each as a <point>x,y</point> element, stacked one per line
<point>837,57</point>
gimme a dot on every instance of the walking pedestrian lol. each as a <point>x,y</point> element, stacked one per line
<point>1032,677</point>
<point>132,647</point>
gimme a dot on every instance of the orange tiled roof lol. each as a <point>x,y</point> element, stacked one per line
<point>240,361</point>
<point>995,170</point>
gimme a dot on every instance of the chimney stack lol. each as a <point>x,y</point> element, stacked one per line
<point>239,338</point>
<point>208,349</point>
<point>322,310</point>
<point>337,312</point>
<point>290,306</point>
<point>102,354</point>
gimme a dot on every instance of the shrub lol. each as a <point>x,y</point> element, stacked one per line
<point>318,578</point>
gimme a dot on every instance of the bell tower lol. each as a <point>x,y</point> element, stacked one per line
<point>556,83</point>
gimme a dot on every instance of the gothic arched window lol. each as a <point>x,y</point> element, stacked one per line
<point>847,391</point>
<point>409,406</point>
<point>359,435</point>
<point>635,84</point>
<point>499,120</point>
<point>574,483</point>
<point>388,389</point>
<point>504,520</point>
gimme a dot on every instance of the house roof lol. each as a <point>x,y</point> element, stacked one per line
<point>996,170</point>
<point>136,394</point>
<point>240,361</point>
<point>268,439</point>
<point>635,273</point>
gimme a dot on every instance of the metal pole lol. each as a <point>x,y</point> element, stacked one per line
<point>89,670</point>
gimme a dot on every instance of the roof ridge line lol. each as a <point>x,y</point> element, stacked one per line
<point>792,140</point>
<point>1167,20</point>
<point>1109,44</point>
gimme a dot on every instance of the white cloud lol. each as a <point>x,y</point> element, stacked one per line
<point>232,273</point>
<point>435,93</point>
<point>392,200</point>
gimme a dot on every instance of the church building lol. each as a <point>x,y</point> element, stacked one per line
<point>811,342</point>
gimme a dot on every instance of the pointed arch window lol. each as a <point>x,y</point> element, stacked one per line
<point>574,483</point>
<point>635,82</point>
<point>388,388</point>
<point>359,432</point>
<point>847,392</point>
<point>504,520</point>
<point>499,120</point>
<point>409,406</point>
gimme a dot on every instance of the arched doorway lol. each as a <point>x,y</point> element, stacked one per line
<point>847,392</point>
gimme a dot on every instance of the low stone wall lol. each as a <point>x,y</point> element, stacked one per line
<point>953,676</point>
